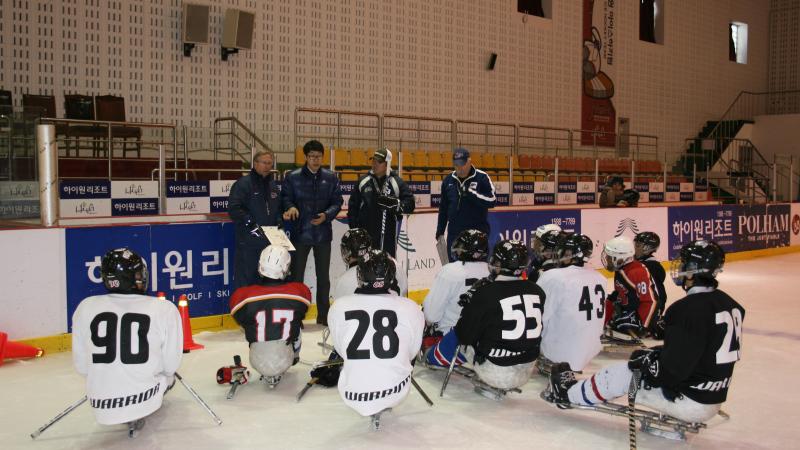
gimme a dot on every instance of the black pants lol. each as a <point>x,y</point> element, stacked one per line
<point>245,263</point>
<point>322,263</point>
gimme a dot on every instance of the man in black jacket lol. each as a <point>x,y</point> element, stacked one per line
<point>254,201</point>
<point>311,197</point>
<point>379,202</point>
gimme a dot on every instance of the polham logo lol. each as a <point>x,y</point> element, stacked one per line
<point>405,242</point>
<point>796,225</point>
<point>628,223</point>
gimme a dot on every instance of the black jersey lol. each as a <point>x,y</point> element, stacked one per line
<point>702,342</point>
<point>658,275</point>
<point>503,321</point>
<point>271,312</point>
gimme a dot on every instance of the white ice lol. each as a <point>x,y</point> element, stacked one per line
<point>762,401</point>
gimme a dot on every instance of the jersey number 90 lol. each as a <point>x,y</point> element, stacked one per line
<point>108,338</point>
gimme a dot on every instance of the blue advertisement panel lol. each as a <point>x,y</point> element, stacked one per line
<point>688,223</point>
<point>521,225</point>
<point>134,206</point>
<point>219,204</point>
<point>762,226</point>
<point>80,189</point>
<point>191,259</point>
<point>180,188</point>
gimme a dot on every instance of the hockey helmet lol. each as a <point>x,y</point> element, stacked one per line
<point>570,250</point>
<point>646,243</point>
<point>630,196</point>
<point>355,242</point>
<point>587,247</point>
<point>376,270</point>
<point>471,245</point>
<point>274,262</point>
<point>617,252</point>
<point>699,261</point>
<point>124,272</point>
<point>510,257</point>
<point>545,249</point>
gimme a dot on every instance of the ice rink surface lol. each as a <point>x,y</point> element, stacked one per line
<point>762,400</point>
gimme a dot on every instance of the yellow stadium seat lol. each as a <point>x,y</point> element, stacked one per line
<point>342,157</point>
<point>477,159</point>
<point>350,176</point>
<point>435,159</point>
<point>418,176</point>
<point>326,157</point>
<point>299,157</point>
<point>358,157</point>
<point>501,160</point>
<point>420,159</point>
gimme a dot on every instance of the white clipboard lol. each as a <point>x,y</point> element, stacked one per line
<point>277,237</point>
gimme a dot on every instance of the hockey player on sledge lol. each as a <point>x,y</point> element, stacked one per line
<point>127,344</point>
<point>630,307</point>
<point>645,245</point>
<point>543,250</point>
<point>378,334</point>
<point>575,309</point>
<point>689,376</point>
<point>356,242</point>
<point>271,313</point>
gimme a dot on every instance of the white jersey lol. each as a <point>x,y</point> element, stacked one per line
<point>348,282</point>
<point>574,314</point>
<point>441,304</point>
<point>128,346</point>
<point>378,336</point>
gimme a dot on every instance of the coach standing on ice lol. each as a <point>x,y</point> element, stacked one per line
<point>467,196</point>
<point>254,201</point>
<point>379,202</point>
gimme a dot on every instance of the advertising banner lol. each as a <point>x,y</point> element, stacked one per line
<point>523,193</point>
<point>191,259</point>
<point>19,199</point>
<point>587,192</point>
<point>544,193</point>
<point>688,223</point>
<point>599,49</point>
<point>604,224</point>
<point>567,193</point>
<point>219,191</point>
<point>84,198</point>
<point>794,224</point>
<point>188,197</point>
<point>521,225</point>
<point>422,193</point>
<point>135,198</point>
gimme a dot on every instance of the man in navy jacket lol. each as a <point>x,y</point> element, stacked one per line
<point>311,197</point>
<point>467,195</point>
<point>254,201</point>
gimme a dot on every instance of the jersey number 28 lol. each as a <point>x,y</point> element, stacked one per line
<point>732,342</point>
<point>108,338</point>
<point>531,309</point>
<point>385,342</point>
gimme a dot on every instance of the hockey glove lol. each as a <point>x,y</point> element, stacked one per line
<point>255,230</point>
<point>466,298</point>
<point>646,361</point>
<point>232,374</point>
<point>389,203</point>
<point>327,373</point>
<point>626,322</point>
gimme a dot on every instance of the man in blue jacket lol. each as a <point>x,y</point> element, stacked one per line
<point>467,195</point>
<point>311,197</point>
<point>254,201</point>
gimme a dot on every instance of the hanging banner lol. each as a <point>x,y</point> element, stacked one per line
<point>599,48</point>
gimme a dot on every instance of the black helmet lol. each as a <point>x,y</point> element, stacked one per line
<point>570,250</point>
<point>124,272</point>
<point>545,250</point>
<point>376,270</point>
<point>510,257</point>
<point>630,196</point>
<point>471,245</point>
<point>646,243</point>
<point>587,247</point>
<point>610,181</point>
<point>355,243</point>
<point>702,260</point>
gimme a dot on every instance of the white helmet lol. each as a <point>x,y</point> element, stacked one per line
<point>274,262</point>
<point>542,229</point>
<point>617,252</point>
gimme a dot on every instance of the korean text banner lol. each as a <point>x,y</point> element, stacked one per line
<point>521,225</point>
<point>191,259</point>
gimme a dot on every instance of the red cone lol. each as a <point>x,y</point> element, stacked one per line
<point>188,343</point>
<point>161,296</point>
<point>10,349</point>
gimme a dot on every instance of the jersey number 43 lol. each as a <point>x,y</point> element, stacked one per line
<point>586,303</point>
<point>531,309</point>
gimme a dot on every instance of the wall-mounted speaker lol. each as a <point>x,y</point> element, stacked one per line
<point>237,31</point>
<point>194,27</point>
<point>492,61</point>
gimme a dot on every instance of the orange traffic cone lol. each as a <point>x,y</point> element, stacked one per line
<point>188,343</point>
<point>10,349</point>
<point>161,296</point>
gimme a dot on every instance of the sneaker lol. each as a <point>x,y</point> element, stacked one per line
<point>561,379</point>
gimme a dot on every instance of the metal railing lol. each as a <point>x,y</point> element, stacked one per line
<point>734,166</point>
<point>336,129</point>
<point>747,105</point>
<point>251,141</point>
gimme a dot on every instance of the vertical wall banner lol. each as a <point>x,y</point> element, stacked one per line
<point>544,193</point>
<point>644,191</point>
<point>422,193</point>
<point>567,193</point>
<point>673,192</point>
<point>686,192</point>
<point>19,199</point>
<point>436,193</point>
<point>762,226</point>
<point>416,250</point>
<point>347,190</point>
<point>523,193</point>
<point>701,190</point>
<point>188,197</point>
<point>597,85</point>
<point>191,259</point>
<point>134,198</point>
<point>521,225</point>
<point>587,192</point>
<point>794,224</point>
<point>715,223</point>
<point>604,224</point>
<point>219,190</point>
<point>84,198</point>
<point>501,191</point>
<point>655,192</point>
